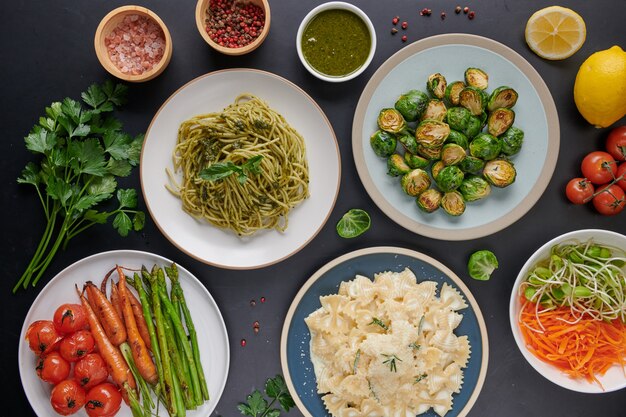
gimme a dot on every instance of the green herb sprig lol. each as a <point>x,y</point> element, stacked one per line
<point>258,406</point>
<point>220,170</point>
<point>378,322</point>
<point>391,361</point>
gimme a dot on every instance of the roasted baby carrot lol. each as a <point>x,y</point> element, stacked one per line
<point>140,319</point>
<point>105,312</point>
<point>115,300</point>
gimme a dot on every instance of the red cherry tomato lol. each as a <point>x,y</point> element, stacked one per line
<point>42,336</point>
<point>616,143</point>
<point>621,173</point>
<point>69,318</point>
<point>52,368</point>
<point>90,370</point>
<point>77,345</point>
<point>103,400</point>
<point>579,190</point>
<point>599,167</point>
<point>67,397</point>
<point>609,200</point>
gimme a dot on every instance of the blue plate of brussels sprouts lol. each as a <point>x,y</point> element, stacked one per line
<point>455,137</point>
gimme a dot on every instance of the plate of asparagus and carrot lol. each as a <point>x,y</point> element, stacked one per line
<point>125,333</point>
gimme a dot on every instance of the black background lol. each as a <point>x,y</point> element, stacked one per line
<point>47,54</point>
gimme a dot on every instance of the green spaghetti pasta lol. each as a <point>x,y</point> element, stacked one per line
<point>246,129</point>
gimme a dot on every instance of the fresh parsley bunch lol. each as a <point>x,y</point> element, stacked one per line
<point>83,151</point>
<point>257,405</point>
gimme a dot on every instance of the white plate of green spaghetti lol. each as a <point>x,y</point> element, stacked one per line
<point>240,168</point>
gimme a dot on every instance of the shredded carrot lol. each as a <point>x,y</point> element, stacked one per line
<point>586,349</point>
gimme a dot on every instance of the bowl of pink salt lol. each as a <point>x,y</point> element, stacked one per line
<point>133,44</point>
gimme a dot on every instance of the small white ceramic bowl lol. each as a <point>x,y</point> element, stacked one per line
<point>343,6</point>
<point>614,379</point>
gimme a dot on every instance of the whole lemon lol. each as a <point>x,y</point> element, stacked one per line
<point>600,87</point>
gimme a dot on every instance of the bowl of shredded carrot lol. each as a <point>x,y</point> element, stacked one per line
<point>568,311</point>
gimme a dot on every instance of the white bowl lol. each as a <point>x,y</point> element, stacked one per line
<point>343,6</point>
<point>614,379</point>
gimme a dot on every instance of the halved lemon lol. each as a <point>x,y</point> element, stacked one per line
<point>555,32</point>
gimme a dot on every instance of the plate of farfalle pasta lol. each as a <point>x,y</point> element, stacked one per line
<point>384,331</point>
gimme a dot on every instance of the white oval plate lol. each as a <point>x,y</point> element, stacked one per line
<point>212,336</point>
<point>535,114</point>
<point>203,241</point>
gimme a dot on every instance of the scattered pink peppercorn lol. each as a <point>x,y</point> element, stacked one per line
<point>443,15</point>
<point>243,343</point>
<point>262,299</point>
<point>404,25</point>
<point>395,20</point>
<point>471,15</point>
<point>425,12</point>
<point>465,9</point>
<point>404,38</point>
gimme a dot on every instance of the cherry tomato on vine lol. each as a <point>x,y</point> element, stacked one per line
<point>609,200</point>
<point>599,167</point>
<point>69,318</point>
<point>90,370</point>
<point>579,190</point>
<point>103,400</point>
<point>77,345</point>
<point>42,336</point>
<point>52,368</point>
<point>616,143</point>
<point>621,172</point>
<point>67,397</point>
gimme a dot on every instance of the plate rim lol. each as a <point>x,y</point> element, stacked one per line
<point>216,263</point>
<point>117,253</point>
<point>376,250</point>
<point>552,149</point>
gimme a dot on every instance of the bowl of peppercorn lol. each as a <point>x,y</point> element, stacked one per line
<point>233,27</point>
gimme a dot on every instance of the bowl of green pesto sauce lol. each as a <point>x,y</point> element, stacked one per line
<point>336,41</point>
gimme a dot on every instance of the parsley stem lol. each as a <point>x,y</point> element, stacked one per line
<point>57,244</point>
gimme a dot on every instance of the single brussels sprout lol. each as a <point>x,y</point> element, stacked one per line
<point>502,97</point>
<point>432,133</point>
<point>429,200</point>
<point>475,77</point>
<point>474,188</point>
<point>449,178</point>
<point>500,120</point>
<point>415,161</point>
<point>412,104</point>
<point>436,85</point>
<point>390,120</point>
<point>473,127</point>
<point>383,143</point>
<point>481,264</point>
<point>499,172</point>
<point>512,140</point>
<point>452,154</point>
<point>415,182</point>
<point>396,165</point>
<point>452,92</point>
<point>458,118</point>
<point>472,165</point>
<point>453,203</point>
<point>429,153</point>
<point>436,167</point>
<point>458,138</point>
<point>473,99</point>
<point>436,110</point>
<point>485,147</point>
<point>408,141</point>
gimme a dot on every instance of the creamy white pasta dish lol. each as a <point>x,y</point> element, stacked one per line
<point>386,347</point>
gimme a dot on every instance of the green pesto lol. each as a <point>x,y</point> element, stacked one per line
<point>336,42</point>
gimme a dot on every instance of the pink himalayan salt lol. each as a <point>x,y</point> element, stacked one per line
<point>136,45</point>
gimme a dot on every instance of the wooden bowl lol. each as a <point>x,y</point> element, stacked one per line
<point>109,23</point>
<point>202,14</point>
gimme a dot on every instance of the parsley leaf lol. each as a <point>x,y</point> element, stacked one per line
<point>220,170</point>
<point>258,406</point>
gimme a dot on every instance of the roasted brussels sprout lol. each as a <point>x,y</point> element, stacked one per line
<point>449,178</point>
<point>432,133</point>
<point>485,146</point>
<point>390,120</point>
<point>473,99</point>
<point>429,200</point>
<point>412,104</point>
<point>452,92</point>
<point>436,110</point>
<point>452,154</point>
<point>475,77</point>
<point>415,161</point>
<point>436,167</point>
<point>453,203</point>
<point>436,85</point>
<point>396,165</point>
<point>473,127</point>
<point>512,140</point>
<point>458,118</point>
<point>500,120</point>
<point>458,138</point>
<point>429,153</point>
<point>407,139</point>
<point>383,143</point>
<point>472,165</point>
<point>415,182</point>
<point>499,172</point>
<point>502,97</point>
<point>474,188</point>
